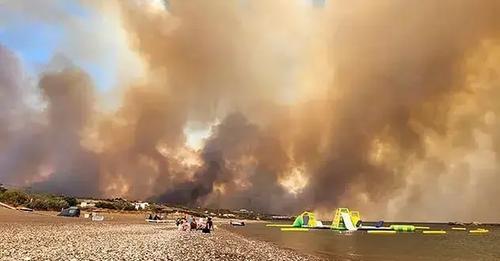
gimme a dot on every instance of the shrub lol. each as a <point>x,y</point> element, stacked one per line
<point>14,197</point>
<point>47,202</point>
<point>154,208</point>
<point>124,205</point>
<point>117,205</point>
<point>38,204</point>
<point>105,204</point>
<point>71,201</point>
<point>57,204</point>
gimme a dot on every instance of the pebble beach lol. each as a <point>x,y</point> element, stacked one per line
<point>31,236</point>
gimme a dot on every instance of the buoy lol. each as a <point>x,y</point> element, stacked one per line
<point>459,228</point>
<point>381,232</point>
<point>294,229</point>
<point>434,232</point>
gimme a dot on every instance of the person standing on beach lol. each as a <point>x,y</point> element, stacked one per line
<point>193,224</point>
<point>210,224</point>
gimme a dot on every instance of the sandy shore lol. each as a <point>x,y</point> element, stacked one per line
<point>28,236</point>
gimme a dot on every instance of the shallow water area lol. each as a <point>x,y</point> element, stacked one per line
<point>359,245</point>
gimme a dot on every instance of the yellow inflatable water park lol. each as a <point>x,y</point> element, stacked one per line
<point>343,219</point>
<point>307,219</point>
<point>302,223</point>
<point>350,220</point>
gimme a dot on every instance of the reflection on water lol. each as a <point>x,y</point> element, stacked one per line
<point>456,245</point>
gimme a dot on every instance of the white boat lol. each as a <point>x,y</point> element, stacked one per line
<point>156,221</point>
<point>97,217</point>
<point>237,223</point>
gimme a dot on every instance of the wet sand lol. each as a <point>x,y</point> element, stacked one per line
<point>32,236</point>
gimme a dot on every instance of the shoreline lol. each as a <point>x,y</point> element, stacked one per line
<point>27,236</point>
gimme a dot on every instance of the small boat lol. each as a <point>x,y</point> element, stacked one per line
<point>237,223</point>
<point>156,221</point>
<point>25,209</point>
<point>96,217</point>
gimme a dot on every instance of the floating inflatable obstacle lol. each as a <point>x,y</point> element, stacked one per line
<point>459,228</point>
<point>422,228</point>
<point>381,232</point>
<point>434,232</point>
<point>279,225</point>
<point>344,219</point>
<point>403,228</point>
<point>307,220</point>
<point>294,229</point>
<point>373,228</point>
<point>479,231</point>
<point>303,222</point>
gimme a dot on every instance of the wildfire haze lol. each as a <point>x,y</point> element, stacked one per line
<point>389,107</point>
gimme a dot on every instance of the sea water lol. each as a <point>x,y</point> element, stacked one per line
<point>359,245</point>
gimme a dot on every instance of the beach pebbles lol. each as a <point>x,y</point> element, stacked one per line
<point>53,240</point>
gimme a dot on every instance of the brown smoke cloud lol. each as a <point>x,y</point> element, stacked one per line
<point>387,107</point>
<point>69,96</point>
<point>21,151</point>
<point>43,147</point>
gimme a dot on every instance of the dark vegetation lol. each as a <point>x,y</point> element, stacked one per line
<point>37,201</point>
<point>45,201</point>
<point>116,204</point>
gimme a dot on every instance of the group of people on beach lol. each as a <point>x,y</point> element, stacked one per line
<point>189,223</point>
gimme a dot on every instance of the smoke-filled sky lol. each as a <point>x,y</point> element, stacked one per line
<point>388,107</point>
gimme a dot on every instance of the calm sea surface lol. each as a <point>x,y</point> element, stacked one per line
<point>455,245</point>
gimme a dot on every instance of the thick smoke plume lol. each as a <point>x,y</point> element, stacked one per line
<point>388,107</point>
